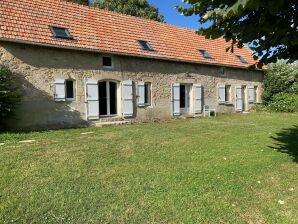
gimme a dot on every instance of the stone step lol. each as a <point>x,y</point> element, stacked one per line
<point>110,119</point>
<point>109,123</point>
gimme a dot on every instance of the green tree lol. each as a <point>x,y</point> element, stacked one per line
<point>280,78</point>
<point>140,8</point>
<point>82,2</point>
<point>270,27</point>
<point>9,94</point>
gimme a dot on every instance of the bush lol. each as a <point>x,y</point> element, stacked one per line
<point>281,78</point>
<point>9,94</point>
<point>284,102</point>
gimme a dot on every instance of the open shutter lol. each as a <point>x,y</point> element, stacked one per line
<point>239,98</point>
<point>176,99</point>
<point>251,94</point>
<point>198,98</point>
<point>92,101</point>
<point>127,98</point>
<point>221,93</point>
<point>59,90</point>
<point>141,93</point>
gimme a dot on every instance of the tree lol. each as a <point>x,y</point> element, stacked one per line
<point>269,27</point>
<point>9,94</point>
<point>280,78</point>
<point>82,2</point>
<point>140,8</point>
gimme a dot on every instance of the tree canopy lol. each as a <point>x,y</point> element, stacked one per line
<point>269,27</point>
<point>82,2</point>
<point>140,8</point>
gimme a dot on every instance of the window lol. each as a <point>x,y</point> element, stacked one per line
<point>147,93</point>
<point>205,54</point>
<point>64,90</point>
<point>143,93</point>
<point>256,94</point>
<point>70,90</point>
<point>228,93</point>
<point>240,58</point>
<point>107,62</point>
<point>60,32</point>
<point>222,71</point>
<point>145,45</point>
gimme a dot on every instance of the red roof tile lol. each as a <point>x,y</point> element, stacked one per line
<point>105,31</point>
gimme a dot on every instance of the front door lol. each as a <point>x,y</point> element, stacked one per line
<point>107,92</point>
<point>184,98</point>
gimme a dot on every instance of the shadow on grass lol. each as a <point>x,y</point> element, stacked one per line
<point>287,142</point>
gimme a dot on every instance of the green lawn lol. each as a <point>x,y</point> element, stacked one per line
<point>228,169</point>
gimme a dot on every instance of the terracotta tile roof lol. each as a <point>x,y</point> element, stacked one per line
<point>105,31</point>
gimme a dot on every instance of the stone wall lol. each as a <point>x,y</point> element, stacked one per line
<point>37,67</point>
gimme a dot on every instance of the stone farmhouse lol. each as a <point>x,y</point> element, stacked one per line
<point>77,65</point>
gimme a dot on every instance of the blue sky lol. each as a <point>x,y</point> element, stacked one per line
<point>172,16</point>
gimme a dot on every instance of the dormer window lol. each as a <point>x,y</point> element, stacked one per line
<point>240,58</point>
<point>205,54</point>
<point>60,32</point>
<point>145,45</point>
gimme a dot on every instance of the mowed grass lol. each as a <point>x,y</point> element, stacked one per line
<point>228,169</point>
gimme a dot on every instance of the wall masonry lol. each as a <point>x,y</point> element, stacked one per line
<point>37,68</point>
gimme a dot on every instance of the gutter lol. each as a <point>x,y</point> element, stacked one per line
<point>116,53</point>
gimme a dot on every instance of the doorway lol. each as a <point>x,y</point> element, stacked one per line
<point>107,94</point>
<point>184,98</point>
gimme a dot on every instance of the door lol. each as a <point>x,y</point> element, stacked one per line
<point>107,94</point>
<point>184,99</point>
<point>239,99</point>
<point>92,103</point>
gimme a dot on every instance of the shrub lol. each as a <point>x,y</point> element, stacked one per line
<point>284,102</point>
<point>9,94</point>
<point>281,78</point>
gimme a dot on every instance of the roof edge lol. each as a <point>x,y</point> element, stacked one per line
<point>118,53</point>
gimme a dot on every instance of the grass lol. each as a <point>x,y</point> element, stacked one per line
<point>229,169</point>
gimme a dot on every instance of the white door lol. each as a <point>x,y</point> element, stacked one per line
<point>176,99</point>
<point>184,99</point>
<point>239,99</point>
<point>127,97</point>
<point>197,98</point>
<point>92,101</point>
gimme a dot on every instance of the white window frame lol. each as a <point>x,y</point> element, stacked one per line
<point>112,62</point>
<point>74,83</point>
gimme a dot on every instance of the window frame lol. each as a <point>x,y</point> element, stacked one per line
<point>148,93</point>
<point>74,90</point>
<point>256,92</point>
<point>241,59</point>
<point>203,54</point>
<point>69,36</point>
<point>149,47</point>
<point>112,61</point>
<point>228,89</point>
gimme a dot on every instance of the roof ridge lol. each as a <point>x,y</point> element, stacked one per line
<point>90,7</point>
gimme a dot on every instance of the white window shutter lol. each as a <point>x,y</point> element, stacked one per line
<point>198,98</point>
<point>176,99</point>
<point>251,94</point>
<point>92,99</point>
<point>221,93</point>
<point>141,93</point>
<point>59,90</point>
<point>239,98</point>
<point>127,97</point>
